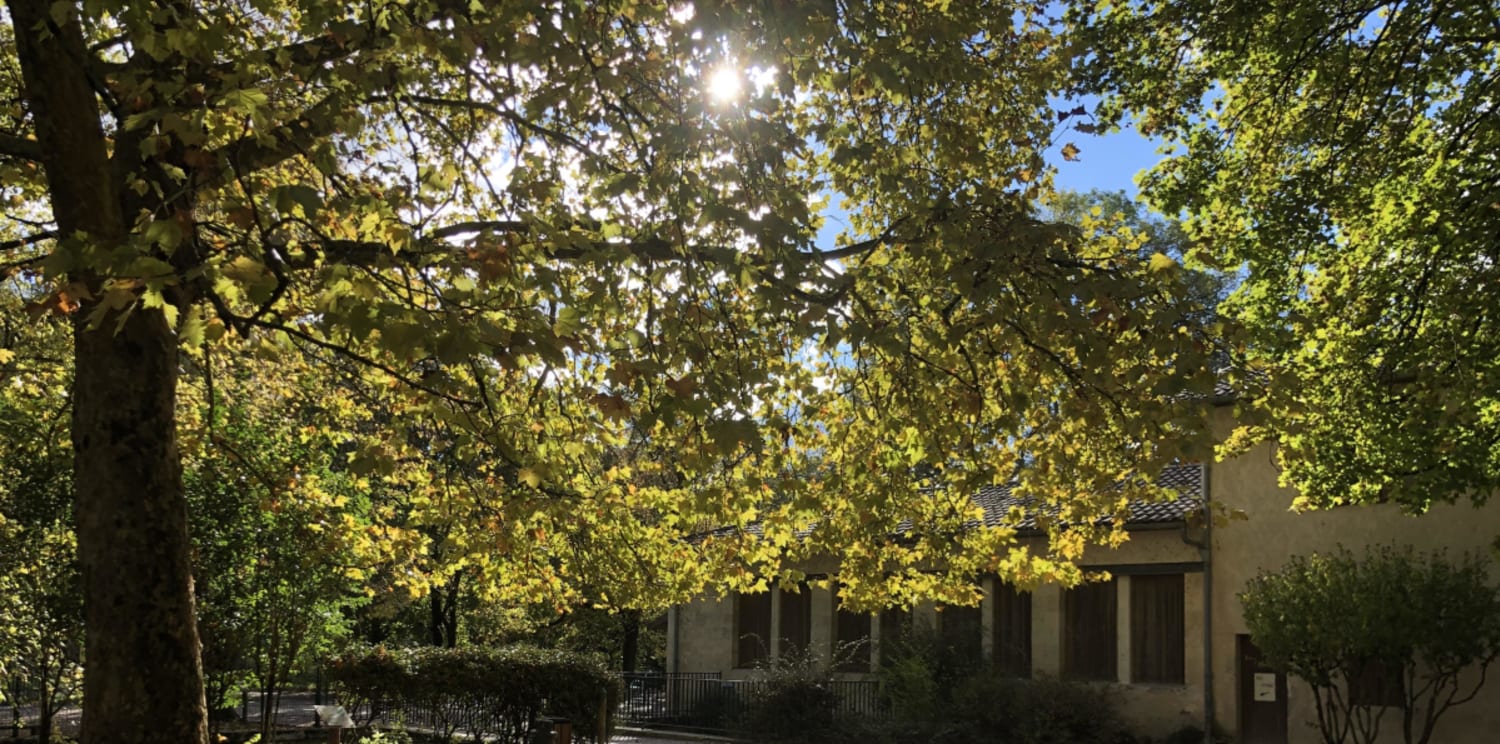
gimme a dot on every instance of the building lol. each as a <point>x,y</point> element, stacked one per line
<point>1166,632</point>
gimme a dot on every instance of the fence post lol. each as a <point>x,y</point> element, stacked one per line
<point>602,735</point>
<point>562,731</point>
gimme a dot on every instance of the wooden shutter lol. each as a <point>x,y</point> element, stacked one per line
<point>851,640</point>
<point>1156,629</point>
<point>1012,631</point>
<point>961,629</point>
<point>752,625</point>
<point>1089,642</point>
<point>796,621</point>
<point>895,625</point>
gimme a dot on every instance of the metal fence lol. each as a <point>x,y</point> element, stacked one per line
<point>22,710</point>
<point>708,702</point>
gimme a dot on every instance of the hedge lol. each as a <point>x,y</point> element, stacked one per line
<point>480,692</point>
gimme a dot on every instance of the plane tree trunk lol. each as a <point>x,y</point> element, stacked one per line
<point>143,681</point>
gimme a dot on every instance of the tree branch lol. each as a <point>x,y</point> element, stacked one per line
<point>10,245</point>
<point>20,148</point>
<point>352,355</point>
<point>250,153</point>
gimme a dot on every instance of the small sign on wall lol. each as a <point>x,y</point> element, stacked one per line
<point>1265,687</point>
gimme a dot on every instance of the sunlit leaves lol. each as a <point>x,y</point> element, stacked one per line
<point>1341,159</point>
<point>562,316</point>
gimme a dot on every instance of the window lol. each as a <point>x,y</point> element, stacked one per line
<point>1089,643</point>
<point>895,628</point>
<point>1012,631</point>
<point>961,631</point>
<point>1156,629</point>
<point>752,628</point>
<point>796,621</point>
<point>1378,684</point>
<point>851,640</point>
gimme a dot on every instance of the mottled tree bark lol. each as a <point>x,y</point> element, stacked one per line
<point>143,681</point>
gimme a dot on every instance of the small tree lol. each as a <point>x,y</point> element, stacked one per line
<point>1331,619</point>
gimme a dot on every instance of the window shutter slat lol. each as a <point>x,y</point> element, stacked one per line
<point>1012,630</point>
<point>1157,632</point>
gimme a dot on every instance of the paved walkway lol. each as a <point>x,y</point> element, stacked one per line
<point>296,710</point>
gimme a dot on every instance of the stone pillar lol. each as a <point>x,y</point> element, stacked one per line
<point>822,625</point>
<point>987,621</point>
<point>1046,630</point>
<point>1122,628</point>
<point>1192,630</point>
<point>673,652</point>
<point>775,647</point>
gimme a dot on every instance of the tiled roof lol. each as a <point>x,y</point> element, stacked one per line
<point>1186,479</point>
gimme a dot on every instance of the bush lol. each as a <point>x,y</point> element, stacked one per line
<point>793,701</point>
<point>909,689</point>
<point>367,680</point>
<point>1006,710</point>
<point>989,708</point>
<point>1422,619</point>
<point>482,692</point>
<point>1194,735</point>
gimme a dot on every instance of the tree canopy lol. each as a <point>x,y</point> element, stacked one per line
<point>1341,158</point>
<point>561,260</point>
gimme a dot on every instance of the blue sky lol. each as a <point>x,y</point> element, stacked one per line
<point>1108,162</point>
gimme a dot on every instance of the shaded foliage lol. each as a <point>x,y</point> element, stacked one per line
<point>1428,624</point>
<point>480,692</point>
<point>1340,156</point>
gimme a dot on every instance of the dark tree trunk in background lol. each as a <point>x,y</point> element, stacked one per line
<point>630,642</point>
<point>143,683</point>
<point>443,621</point>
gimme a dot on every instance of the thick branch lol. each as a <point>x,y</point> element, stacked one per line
<point>9,245</point>
<point>352,355</point>
<point>251,153</point>
<point>20,148</point>
<point>358,251</point>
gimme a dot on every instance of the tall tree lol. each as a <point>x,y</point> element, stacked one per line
<point>554,226</point>
<point>41,610</point>
<point>1342,156</point>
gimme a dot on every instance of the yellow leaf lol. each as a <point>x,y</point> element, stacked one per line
<point>529,477</point>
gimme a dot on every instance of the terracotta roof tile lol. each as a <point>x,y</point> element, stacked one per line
<point>1186,479</point>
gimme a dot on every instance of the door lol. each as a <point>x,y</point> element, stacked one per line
<point>1262,697</point>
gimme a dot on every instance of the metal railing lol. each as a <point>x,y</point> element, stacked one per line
<point>22,709</point>
<point>708,702</point>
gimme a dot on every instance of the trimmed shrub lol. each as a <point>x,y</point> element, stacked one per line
<point>996,708</point>
<point>794,700</point>
<point>481,692</point>
<point>367,681</point>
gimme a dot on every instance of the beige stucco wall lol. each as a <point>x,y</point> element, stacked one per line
<point>705,632</point>
<point>1151,709</point>
<point>1265,540</point>
<point>1272,534</point>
